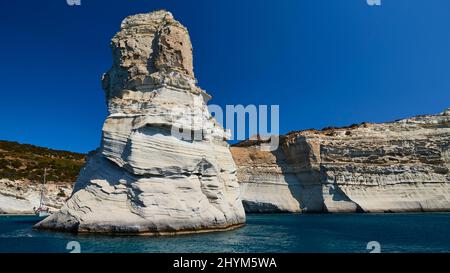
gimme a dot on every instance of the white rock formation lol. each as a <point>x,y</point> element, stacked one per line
<point>144,178</point>
<point>21,196</point>
<point>401,166</point>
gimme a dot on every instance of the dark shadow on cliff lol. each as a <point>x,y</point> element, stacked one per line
<point>304,182</point>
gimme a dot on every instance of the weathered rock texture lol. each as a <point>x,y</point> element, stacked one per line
<point>22,168</point>
<point>401,166</point>
<point>21,196</point>
<point>143,179</point>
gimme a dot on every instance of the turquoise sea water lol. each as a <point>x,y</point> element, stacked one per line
<point>263,233</point>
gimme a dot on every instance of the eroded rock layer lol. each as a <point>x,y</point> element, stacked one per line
<point>401,166</point>
<point>143,178</point>
<point>21,196</point>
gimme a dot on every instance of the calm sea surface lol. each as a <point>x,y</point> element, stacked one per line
<point>263,233</point>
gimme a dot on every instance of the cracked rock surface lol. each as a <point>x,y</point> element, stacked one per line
<point>143,178</point>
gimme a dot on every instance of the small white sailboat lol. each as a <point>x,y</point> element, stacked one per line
<point>42,210</point>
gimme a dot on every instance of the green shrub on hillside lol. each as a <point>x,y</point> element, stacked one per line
<point>24,161</point>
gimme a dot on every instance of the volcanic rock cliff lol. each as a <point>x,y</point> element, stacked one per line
<point>144,178</point>
<point>401,166</point>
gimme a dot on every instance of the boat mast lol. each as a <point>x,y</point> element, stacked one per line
<point>42,204</point>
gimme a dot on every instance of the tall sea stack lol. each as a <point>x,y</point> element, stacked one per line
<point>143,178</point>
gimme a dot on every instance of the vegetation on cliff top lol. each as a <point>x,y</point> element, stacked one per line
<point>24,161</point>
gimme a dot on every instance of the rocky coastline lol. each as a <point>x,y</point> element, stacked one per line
<point>400,166</point>
<point>143,179</point>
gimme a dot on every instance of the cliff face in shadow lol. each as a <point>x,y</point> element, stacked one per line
<point>399,166</point>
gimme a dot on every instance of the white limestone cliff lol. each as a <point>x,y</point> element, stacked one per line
<point>144,178</point>
<point>401,166</point>
<point>21,196</point>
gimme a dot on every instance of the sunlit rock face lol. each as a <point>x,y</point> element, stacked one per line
<point>401,166</point>
<point>145,178</point>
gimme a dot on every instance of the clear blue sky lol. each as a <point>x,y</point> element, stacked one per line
<point>325,62</point>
